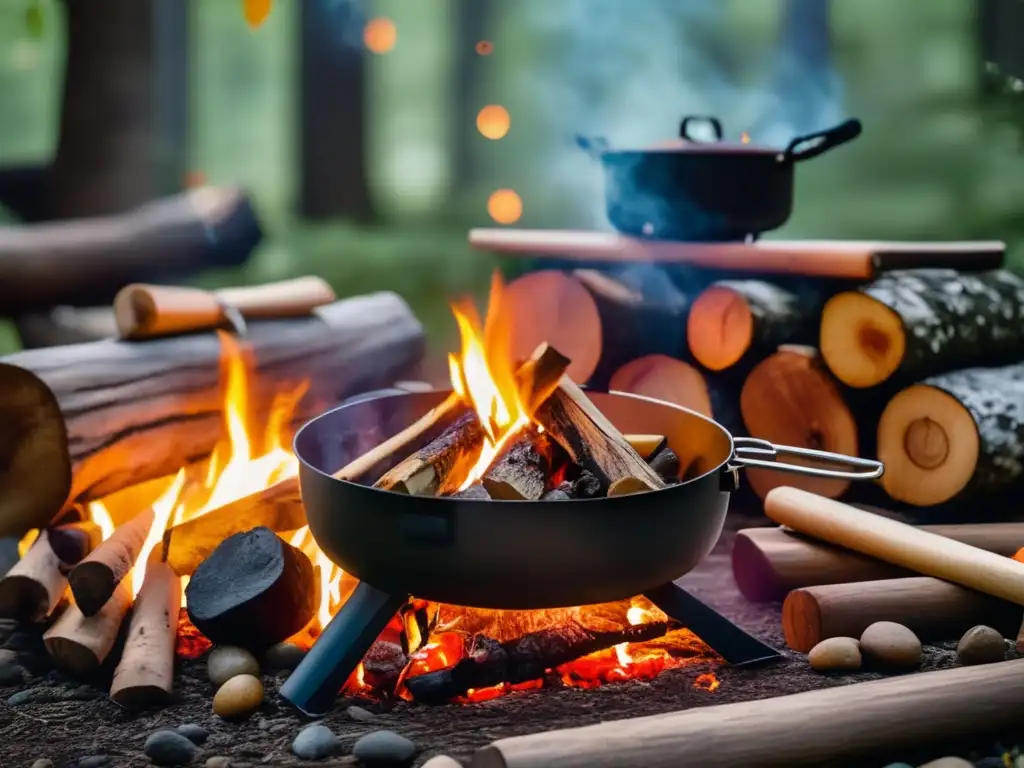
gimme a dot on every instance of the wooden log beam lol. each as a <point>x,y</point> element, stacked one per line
<point>521,471</point>
<point>71,433</point>
<point>954,436</point>
<point>79,644</point>
<point>94,579</point>
<point>664,378</point>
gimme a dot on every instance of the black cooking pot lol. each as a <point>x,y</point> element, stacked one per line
<point>705,191</point>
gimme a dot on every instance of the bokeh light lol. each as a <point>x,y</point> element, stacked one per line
<point>505,206</point>
<point>493,121</point>
<point>484,47</point>
<point>380,35</point>
<point>256,12</point>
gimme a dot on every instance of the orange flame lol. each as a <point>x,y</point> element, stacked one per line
<point>745,138</point>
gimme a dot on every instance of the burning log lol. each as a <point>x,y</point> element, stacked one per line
<point>521,471</point>
<point>591,440</point>
<point>734,322</point>
<point>933,609</point>
<point>94,579</point>
<point>146,311</point>
<point>79,644</point>
<point>912,548</point>
<point>955,435</point>
<point>642,313</point>
<point>89,260</point>
<point>909,325</point>
<point>254,590</point>
<point>553,307</point>
<point>145,674</point>
<point>438,468</point>
<point>905,712</point>
<point>34,586</point>
<point>790,399</point>
<point>520,661</point>
<point>664,378</point>
<point>78,437</point>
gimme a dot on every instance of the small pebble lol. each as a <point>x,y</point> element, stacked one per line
<point>835,654</point>
<point>167,748</point>
<point>360,715</point>
<point>890,644</point>
<point>194,733</point>
<point>283,656</point>
<point>43,763</point>
<point>228,661</point>
<point>952,762</point>
<point>12,673</point>
<point>21,697</point>
<point>94,761</point>
<point>980,645</point>
<point>315,742</point>
<point>238,698</point>
<point>442,761</point>
<point>899,765</point>
<point>384,748</point>
<point>218,761</point>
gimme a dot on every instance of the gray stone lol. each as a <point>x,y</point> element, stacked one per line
<point>228,661</point>
<point>21,697</point>
<point>892,645</point>
<point>360,715</point>
<point>384,749</point>
<point>167,748</point>
<point>218,761</point>
<point>43,763</point>
<point>194,733</point>
<point>283,656</point>
<point>94,761</point>
<point>12,673</point>
<point>315,742</point>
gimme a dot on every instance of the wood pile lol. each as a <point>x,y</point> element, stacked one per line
<point>922,368</point>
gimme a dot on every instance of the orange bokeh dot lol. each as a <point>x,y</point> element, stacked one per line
<point>505,206</point>
<point>380,35</point>
<point>493,121</point>
<point>484,47</point>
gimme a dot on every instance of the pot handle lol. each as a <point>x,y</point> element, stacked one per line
<point>714,122</point>
<point>821,141</point>
<point>752,452</point>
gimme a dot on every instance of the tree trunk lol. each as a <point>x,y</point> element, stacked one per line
<point>332,111</point>
<point>999,26</point>
<point>123,117</point>
<point>472,22</point>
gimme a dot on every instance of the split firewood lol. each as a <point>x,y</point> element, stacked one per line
<point>79,644</point>
<point>909,325</point>
<point>903,545</point>
<point>94,579</point>
<point>146,311</point>
<point>954,436</point>
<point>590,439</point>
<point>253,590</point>
<point>933,609</point>
<point>642,313</point>
<point>901,713</point>
<point>474,492</point>
<point>145,674</point>
<point>789,398</point>
<point>34,586</point>
<point>736,322</point>
<point>627,486</point>
<point>521,470</point>
<point>78,436</point>
<point>647,445</point>
<point>664,378</point>
<point>519,661</point>
<point>768,563</point>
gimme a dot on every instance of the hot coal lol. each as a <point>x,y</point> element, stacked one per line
<point>587,486</point>
<point>666,463</point>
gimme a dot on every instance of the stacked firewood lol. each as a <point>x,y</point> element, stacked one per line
<point>921,368</point>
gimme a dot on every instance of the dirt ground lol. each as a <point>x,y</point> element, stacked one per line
<point>64,721</point>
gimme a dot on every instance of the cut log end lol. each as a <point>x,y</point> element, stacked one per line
<point>720,327</point>
<point>664,378</point>
<point>789,399</point>
<point>753,572</point>
<point>929,444</point>
<point>801,621</point>
<point>862,340</point>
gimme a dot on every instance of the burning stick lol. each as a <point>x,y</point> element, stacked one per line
<point>34,586</point>
<point>94,580</point>
<point>145,674</point>
<point>79,644</point>
<point>521,471</point>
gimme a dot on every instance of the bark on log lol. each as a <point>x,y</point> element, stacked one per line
<point>73,434</point>
<point>439,468</point>
<point>790,399</point>
<point>933,609</point>
<point>522,469</point>
<point>520,661</point>
<point>664,378</point>
<point>94,579</point>
<point>738,322</point>
<point>80,644</point>
<point>65,325</point>
<point>958,435</point>
<point>909,325</point>
<point>905,712</point>
<point>767,563</point>
<point>87,261</point>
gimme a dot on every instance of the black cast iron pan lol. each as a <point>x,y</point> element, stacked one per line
<point>701,191</point>
<point>524,554</point>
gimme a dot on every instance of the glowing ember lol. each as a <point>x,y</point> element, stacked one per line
<point>707,682</point>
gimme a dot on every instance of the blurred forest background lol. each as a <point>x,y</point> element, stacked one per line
<point>399,161</point>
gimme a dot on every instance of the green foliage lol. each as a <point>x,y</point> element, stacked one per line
<point>35,19</point>
<point>1003,98</point>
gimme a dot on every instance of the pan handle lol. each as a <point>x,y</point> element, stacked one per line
<point>752,452</point>
<point>820,141</point>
